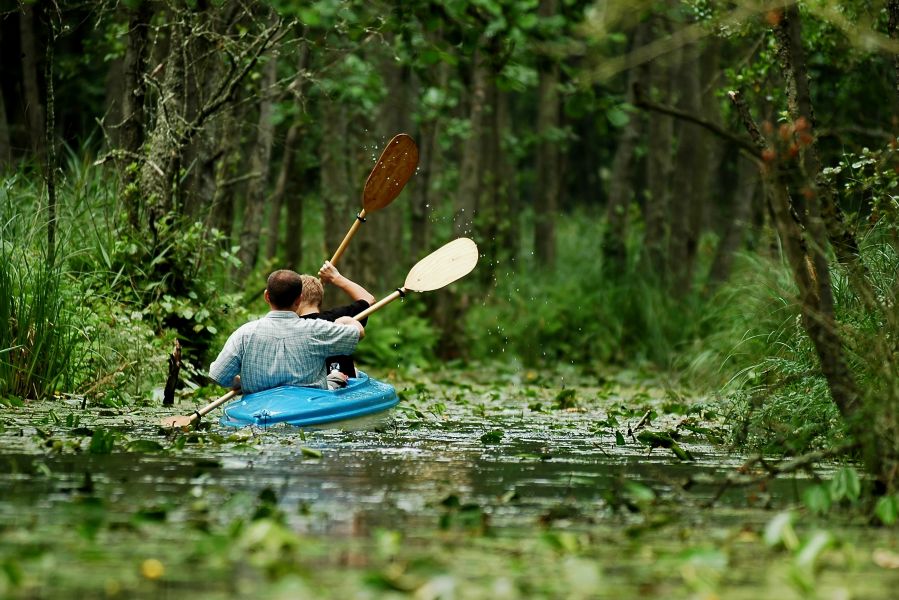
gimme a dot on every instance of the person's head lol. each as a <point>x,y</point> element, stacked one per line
<point>313,291</point>
<point>283,289</point>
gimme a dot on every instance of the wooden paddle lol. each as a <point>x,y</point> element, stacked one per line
<point>385,182</point>
<point>440,268</point>
<point>188,420</point>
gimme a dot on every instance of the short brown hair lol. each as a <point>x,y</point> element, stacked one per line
<point>313,290</point>
<point>284,287</point>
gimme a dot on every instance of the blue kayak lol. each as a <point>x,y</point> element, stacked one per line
<point>305,407</point>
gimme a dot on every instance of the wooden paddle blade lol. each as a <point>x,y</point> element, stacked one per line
<point>443,266</point>
<point>179,422</point>
<point>395,166</point>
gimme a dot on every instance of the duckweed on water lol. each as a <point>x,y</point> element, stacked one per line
<point>473,490</point>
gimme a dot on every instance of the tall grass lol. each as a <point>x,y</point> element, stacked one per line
<point>766,369</point>
<point>37,330</point>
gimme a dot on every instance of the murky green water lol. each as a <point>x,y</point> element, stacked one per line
<point>501,490</point>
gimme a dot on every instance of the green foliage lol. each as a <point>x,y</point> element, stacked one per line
<point>582,312</point>
<point>38,320</point>
<point>760,355</point>
<point>399,336</point>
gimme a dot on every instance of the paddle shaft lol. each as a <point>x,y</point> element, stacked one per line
<point>349,235</point>
<point>380,304</point>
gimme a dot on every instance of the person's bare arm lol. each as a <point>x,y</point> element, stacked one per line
<point>329,274</point>
<point>352,321</point>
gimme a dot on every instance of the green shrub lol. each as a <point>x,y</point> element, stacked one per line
<point>582,312</point>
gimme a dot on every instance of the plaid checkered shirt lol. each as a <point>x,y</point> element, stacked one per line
<point>281,349</point>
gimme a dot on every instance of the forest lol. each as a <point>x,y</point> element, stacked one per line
<point>672,372</point>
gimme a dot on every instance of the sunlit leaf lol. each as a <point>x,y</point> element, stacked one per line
<point>812,549</point>
<point>817,499</point>
<point>780,531</point>
<point>845,484</point>
<point>887,509</point>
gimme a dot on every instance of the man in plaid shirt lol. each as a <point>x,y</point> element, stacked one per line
<point>281,348</point>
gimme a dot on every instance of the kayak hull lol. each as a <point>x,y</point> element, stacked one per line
<point>363,398</point>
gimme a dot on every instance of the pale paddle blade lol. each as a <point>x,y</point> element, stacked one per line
<point>443,266</point>
<point>178,422</point>
<point>390,174</point>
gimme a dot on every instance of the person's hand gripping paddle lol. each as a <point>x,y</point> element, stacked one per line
<point>387,179</point>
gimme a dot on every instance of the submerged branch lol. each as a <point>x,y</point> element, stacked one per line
<point>771,470</point>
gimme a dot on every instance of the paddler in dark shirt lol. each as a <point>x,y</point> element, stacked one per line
<point>339,367</point>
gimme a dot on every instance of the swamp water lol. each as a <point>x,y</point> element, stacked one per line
<point>520,488</point>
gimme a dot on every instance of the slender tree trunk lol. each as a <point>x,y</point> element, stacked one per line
<point>420,237</point>
<point>893,30</point>
<point>163,152</point>
<point>822,210</point>
<point>293,250</point>
<point>130,134</point>
<point>254,209</point>
<point>659,165</point>
<point>287,163</point>
<point>467,196</point>
<point>339,205</point>
<point>34,106</point>
<point>382,244</point>
<point>228,168</point>
<point>740,213</point>
<point>547,179</point>
<point>429,161</point>
<point>5,143</point>
<point>824,221</point>
<point>621,182</point>
<point>688,188</point>
<point>509,212</point>
<point>276,202</point>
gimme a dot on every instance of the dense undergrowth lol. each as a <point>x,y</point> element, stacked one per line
<point>100,319</point>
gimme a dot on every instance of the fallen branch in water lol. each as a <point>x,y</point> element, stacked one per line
<point>741,478</point>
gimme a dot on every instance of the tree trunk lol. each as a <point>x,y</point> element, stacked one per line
<point>822,210</point>
<point>546,176</point>
<point>659,165</point>
<point>621,182</point>
<point>228,169</point>
<point>287,163</point>
<point>254,208</point>
<point>339,201</point>
<point>893,30</point>
<point>429,161</point>
<point>293,251</point>
<point>470,169</point>
<point>276,202</point>
<point>823,220</point>
<point>5,142</point>
<point>34,106</point>
<point>691,168</point>
<point>130,135</point>
<point>163,151</point>
<point>420,237</point>
<point>508,216</point>
<point>382,243</point>
<point>740,213</point>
